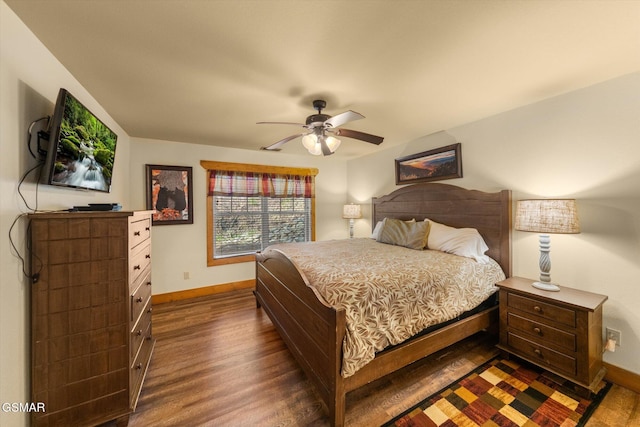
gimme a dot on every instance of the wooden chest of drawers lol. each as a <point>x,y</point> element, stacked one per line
<point>91,338</point>
<point>558,331</point>
<point>141,340</point>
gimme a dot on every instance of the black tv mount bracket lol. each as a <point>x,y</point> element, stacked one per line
<point>43,134</point>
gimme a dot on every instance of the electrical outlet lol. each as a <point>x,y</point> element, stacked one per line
<point>614,334</point>
<point>187,276</point>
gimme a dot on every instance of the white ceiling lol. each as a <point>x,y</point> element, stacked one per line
<point>206,71</point>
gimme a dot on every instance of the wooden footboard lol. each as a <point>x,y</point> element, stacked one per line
<point>312,330</point>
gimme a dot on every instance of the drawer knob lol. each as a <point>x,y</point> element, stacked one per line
<point>538,352</point>
<point>147,229</point>
<point>148,283</point>
<point>136,267</point>
<point>139,333</point>
<point>139,366</point>
<point>537,309</point>
<point>150,310</point>
<point>147,256</point>
<point>537,331</point>
<point>139,299</point>
<point>136,233</point>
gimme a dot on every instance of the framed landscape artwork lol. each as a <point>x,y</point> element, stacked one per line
<point>170,194</point>
<point>433,165</point>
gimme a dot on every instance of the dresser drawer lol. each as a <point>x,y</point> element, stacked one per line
<point>141,331</point>
<point>139,261</point>
<point>140,297</point>
<point>542,332</point>
<point>139,231</point>
<point>543,355</point>
<point>139,367</point>
<point>550,312</point>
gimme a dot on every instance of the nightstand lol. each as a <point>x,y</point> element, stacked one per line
<point>558,331</point>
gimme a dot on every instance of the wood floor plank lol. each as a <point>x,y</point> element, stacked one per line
<point>218,361</point>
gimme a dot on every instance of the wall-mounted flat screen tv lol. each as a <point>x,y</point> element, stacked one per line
<point>81,150</point>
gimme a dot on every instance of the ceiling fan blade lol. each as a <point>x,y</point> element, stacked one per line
<point>276,146</point>
<point>373,139</point>
<point>342,118</point>
<point>281,123</point>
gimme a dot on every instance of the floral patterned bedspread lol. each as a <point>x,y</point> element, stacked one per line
<point>390,293</point>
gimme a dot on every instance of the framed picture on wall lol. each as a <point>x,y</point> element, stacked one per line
<point>433,165</point>
<point>170,194</point>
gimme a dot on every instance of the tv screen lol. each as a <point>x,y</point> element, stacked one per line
<point>81,148</point>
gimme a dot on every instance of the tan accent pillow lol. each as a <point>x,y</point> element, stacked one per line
<point>412,235</point>
<point>376,231</point>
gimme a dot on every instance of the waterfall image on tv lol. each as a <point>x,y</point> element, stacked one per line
<point>84,148</point>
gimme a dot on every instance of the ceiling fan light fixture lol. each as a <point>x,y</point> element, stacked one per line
<point>309,141</point>
<point>313,145</point>
<point>333,143</point>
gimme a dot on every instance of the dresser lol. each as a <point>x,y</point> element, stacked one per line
<point>558,331</point>
<point>91,336</point>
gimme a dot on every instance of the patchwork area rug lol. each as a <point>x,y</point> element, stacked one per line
<point>504,393</point>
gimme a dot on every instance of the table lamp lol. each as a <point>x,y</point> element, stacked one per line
<point>547,216</point>
<point>351,212</point>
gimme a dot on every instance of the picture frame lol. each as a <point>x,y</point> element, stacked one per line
<point>433,165</point>
<point>170,194</point>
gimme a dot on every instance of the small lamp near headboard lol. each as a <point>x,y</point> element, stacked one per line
<point>547,216</point>
<point>351,212</point>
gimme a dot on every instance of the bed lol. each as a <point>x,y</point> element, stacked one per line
<point>315,332</point>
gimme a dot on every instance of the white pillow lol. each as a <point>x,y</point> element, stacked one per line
<point>466,242</point>
<point>376,231</point>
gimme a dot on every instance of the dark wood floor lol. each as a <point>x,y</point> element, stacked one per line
<point>218,361</point>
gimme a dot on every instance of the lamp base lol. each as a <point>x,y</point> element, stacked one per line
<point>546,286</point>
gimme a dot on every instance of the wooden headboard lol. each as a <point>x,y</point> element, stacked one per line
<point>489,213</point>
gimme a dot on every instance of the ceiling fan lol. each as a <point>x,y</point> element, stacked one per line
<point>322,131</point>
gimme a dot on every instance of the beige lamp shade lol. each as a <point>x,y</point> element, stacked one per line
<point>547,216</point>
<point>351,211</point>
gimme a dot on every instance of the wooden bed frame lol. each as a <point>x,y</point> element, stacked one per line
<point>314,331</point>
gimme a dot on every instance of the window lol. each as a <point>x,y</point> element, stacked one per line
<point>244,225</point>
<point>250,207</point>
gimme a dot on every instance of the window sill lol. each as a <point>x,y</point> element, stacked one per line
<point>231,260</point>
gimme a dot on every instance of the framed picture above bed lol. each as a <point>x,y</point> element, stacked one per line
<point>433,165</point>
<point>170,194</point>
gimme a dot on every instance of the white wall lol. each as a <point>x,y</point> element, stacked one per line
<point>183,248</point>
<point>30,77</point>
<point>583,145</point>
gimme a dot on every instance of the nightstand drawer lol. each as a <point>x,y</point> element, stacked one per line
<point>547,311</point>
<point>542,332</point>
<point>543,355</point>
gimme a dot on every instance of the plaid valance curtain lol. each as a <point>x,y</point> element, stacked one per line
<point>236,183</point>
